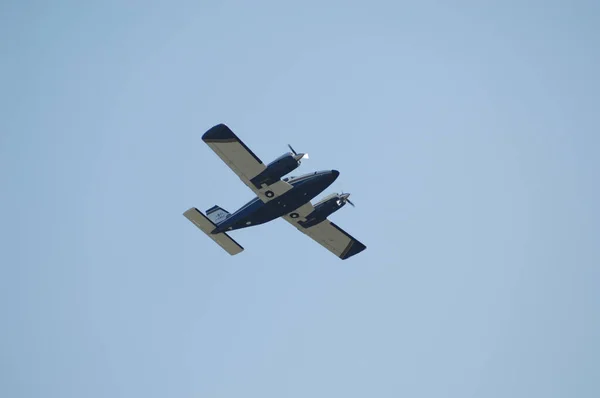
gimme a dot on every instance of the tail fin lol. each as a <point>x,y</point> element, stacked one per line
<point>207,226</point>
<point>217,214</point>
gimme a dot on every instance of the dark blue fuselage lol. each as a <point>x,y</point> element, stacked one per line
<point>256,212</point>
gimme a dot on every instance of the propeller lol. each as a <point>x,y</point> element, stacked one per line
<point>344,198</point>
<point>297,155</point>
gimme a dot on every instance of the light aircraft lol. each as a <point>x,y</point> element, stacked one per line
<point>288,198</point>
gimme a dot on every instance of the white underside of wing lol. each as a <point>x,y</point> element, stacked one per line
<point>238,159</point>
<point>330,237</point>
<point>278,188</point>
<point>327,234</point>
<point>302,212</point>
<point>246,165</point>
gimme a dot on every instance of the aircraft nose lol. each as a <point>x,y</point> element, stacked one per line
<point>333,175</point>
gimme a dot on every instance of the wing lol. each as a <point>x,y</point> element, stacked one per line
<point>327,234</point>
<point>242,161</point>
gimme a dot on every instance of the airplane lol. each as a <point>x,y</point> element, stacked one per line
<point>288,198</point>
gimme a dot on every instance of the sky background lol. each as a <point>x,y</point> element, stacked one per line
<point>467,133</point>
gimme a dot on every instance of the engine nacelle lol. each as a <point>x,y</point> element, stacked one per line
<point>322,210</point>
<point>276,169</point>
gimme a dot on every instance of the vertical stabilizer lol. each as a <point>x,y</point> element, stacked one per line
<point>217,214</point>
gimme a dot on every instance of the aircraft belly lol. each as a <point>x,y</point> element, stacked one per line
<point>267,212</point>
<point>274,209</point>
<point>259,212</point>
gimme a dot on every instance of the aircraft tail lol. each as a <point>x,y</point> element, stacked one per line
<point>207,226</point>
<point>217,214</point>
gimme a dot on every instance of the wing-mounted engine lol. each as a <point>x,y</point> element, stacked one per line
<point>325,208</point>
<point>281,166</point>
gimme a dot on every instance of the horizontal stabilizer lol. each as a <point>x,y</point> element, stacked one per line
<point>207,226</point>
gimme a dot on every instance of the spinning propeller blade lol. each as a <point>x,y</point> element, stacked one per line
<point>344,197</point>
<point>297,155</point>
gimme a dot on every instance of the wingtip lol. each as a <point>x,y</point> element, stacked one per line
<point>220,132</point>
<point>356,248</point>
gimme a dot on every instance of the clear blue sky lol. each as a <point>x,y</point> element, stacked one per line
<point>468,135</point>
